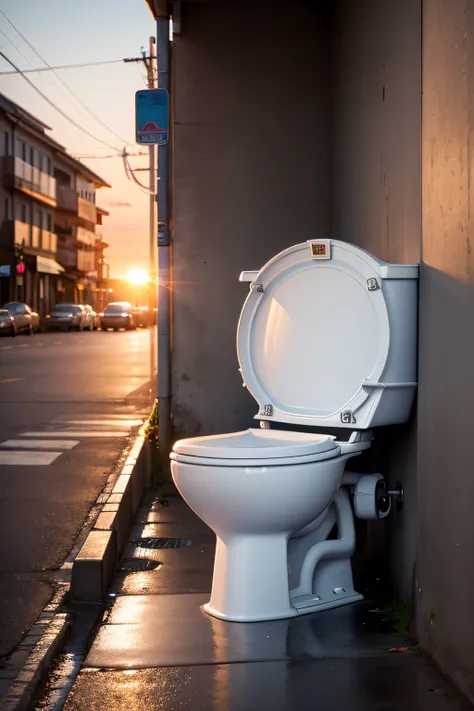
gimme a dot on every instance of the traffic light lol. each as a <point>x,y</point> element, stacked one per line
<point>19,261</point>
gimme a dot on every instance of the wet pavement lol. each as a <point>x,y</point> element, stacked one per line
<point>156,650</point>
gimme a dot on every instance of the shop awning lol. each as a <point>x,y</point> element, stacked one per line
<point>48,266</point>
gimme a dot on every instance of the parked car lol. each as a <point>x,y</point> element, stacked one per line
<point>95,318</point>
<point>7,323</point>
<point>23,316</point>
<point>118,315</point>
<point>66,317</point>
<point>35,322</point>
<point>141,316</point>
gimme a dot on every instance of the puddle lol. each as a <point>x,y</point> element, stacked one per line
<point>135,565</point>
<point>163,543</point>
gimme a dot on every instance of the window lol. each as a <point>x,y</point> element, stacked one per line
<point>32,156</point>
<point>49,222</point>
<point>49,168</point>
<point>23,150</point>
<point>23,213</point>
<point>7,208</point>
<point>39,218</point>
<point>7,143</point>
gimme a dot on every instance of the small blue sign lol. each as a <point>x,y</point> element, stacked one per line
<point>5,270</point>
<point>152,116</point>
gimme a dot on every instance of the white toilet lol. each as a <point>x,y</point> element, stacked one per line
<point>326,341</point>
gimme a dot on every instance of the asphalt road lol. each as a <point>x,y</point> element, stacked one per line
<point>69,403</point>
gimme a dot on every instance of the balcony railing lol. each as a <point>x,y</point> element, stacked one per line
<point>85,260</point>
<point>85,236</point>
<point>43,240</point>
<point>15,233</point>
<point>67,257</point>
<point>30,179</point>
<point>66,198</point>
<point>86,210</point>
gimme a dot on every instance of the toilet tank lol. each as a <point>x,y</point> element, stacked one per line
<point>328,337</point>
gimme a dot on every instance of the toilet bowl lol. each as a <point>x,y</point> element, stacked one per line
<point>254,489</point>
<point>326,339</point>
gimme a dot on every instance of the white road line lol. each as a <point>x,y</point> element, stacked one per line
<point>37,459</point>
<point>39,444</point>
<point>73,433</point>
<point>6,348</point>
<point>24,345</point>
<point>123,424</point>
<point>58,343</point>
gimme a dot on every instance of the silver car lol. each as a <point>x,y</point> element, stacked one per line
<point>65,317</point>
<point>7,324</point>
<point>22,315</point>
<point>118,315</point>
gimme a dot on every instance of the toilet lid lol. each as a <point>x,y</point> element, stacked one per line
<point>312,332</point>
<point>258,444</point>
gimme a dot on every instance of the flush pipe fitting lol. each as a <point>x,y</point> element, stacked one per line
<point>343,547</point>
<point>350,478</point>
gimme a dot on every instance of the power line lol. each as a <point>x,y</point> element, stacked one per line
<point>18,50</point>
<point>131,175</point>
<point>60,111</point>
<point>115,155</point>
<point>96,118</point>
<point>61,66</point>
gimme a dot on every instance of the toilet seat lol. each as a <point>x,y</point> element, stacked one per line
<point>256,447</point>
<point>314,335</point>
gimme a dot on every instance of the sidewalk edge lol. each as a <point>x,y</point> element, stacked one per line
<point>96,562</point>
<point>25,687</point>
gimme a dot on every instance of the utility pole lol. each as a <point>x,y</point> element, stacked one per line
<point>164,250</point>
<point>150,66</point>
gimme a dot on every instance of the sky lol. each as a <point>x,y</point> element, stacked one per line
<point>73,32</point>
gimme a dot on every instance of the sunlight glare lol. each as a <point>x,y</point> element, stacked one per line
<point>138,277</point>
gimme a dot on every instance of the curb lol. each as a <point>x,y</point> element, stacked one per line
<point>96,562</point>
<point>23,690</point>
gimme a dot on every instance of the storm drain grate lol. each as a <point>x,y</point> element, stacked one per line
<point>163,543</point>
<point>135,565</point>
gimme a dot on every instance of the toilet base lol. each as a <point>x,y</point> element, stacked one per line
<point>306,604</point>
<point>284,615</point>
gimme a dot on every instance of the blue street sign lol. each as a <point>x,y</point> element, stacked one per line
<point>152,116</point>
<point>5,270</point>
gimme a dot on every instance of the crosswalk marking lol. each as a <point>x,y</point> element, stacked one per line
<point>44,447</point>
<point>36,444</point>
<point>38,459</point>
<point>72,433</point>
<point>106,423</point>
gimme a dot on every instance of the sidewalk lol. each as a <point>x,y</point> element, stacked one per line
<point>157,651</point>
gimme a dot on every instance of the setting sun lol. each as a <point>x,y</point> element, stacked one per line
<point>138,277</point>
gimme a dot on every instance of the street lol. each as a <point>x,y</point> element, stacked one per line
<point>68,405</point>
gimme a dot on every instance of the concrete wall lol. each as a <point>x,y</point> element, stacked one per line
<point>446,482</point>
<point>251,178</point>
<point>375,197</point>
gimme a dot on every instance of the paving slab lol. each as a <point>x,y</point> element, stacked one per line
<point>172,630</point>
<point>359,684</point>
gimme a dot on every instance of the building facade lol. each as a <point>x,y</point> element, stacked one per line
<point>76,219</point>
<point>48,215</point>
<point>28,201</point>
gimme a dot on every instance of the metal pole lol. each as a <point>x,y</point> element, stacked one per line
<point>150,65</point>
<point>164,260</point>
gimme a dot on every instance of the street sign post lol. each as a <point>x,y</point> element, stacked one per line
<point>152,116</point>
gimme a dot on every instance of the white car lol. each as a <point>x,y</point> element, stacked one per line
<point>68,316</point>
